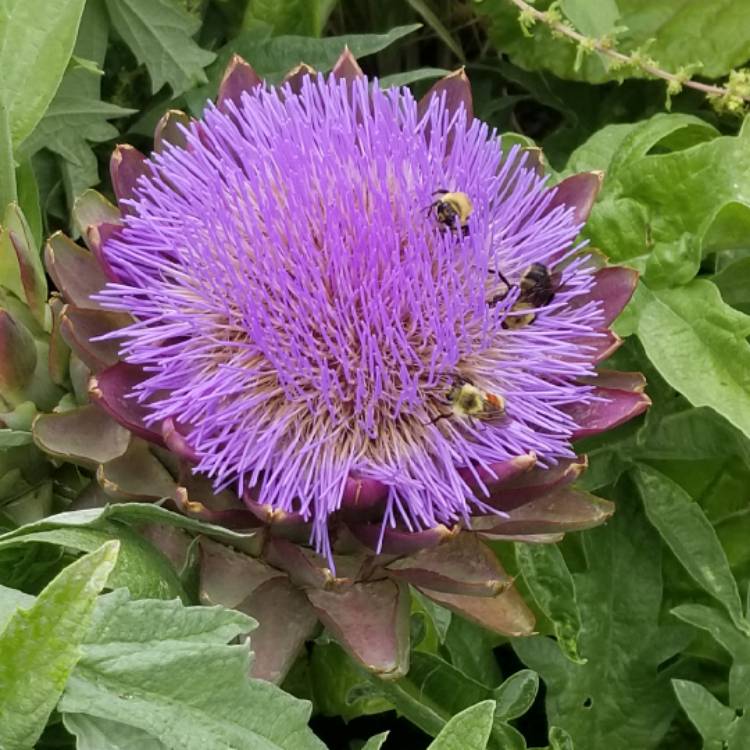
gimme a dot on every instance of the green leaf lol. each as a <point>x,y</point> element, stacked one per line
<point>620,698</point>
<point>376,742</point>
<point>28,200</point>
<point>10,601</point>
<point>36,41</point>
<point>69,125</point>
<point>8,190</point>
<point>471,651</point>
<point>709,716</point>
<point>515,696</point>
<point>304,17</point>
<point>132,513</point>
<point>159,34</point>
<point>468,730</point>
<point>689,534</point>
<point>698,344</point>
<point>140,566</point>
<point>412,76</point>
<point>93,733</point>
<point>559,739</point>
<point>716,32</point>
<point>434,22</point>
<point>592,19</point>
<point>13,438</point>
<point>550,583</point>
<point>273,58</point>
<point>40,646</point>
<point>139,666</point>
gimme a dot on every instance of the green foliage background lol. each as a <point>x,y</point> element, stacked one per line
<point>644,639</point>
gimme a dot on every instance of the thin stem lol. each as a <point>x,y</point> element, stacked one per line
<point>605,49</point>
<point>8,192</point>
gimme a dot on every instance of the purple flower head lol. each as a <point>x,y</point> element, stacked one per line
<point>306,314</point>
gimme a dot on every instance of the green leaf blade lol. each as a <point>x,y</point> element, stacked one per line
<point>468,730</point>
<point>40,646</point>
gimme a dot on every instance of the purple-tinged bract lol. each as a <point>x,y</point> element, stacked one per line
<point>303,315</point>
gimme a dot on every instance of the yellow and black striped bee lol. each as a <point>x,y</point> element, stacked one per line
<point>453,210</point>
<point>466,400</point>
<point>537,289</point>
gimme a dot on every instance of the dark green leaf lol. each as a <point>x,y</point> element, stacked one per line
<point>159,34</point>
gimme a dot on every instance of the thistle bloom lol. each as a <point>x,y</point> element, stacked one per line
<point>297,315</point>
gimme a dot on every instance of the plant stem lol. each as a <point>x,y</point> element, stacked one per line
<point>8,192</point>
<point>605,49</point>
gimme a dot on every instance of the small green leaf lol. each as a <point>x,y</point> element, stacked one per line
<point>559,739</point>
<point>468,730</point>
<point>550,583</point>
<point>515,696</point>
<point>412,76</point>
<point>36,41</point>
<point>13,438</point>
<point>710,717</point>
<point>689,534</point>
<point>304,17</point>
<point>159,34</point>
<point>40,646</point>
<point>376,742</point>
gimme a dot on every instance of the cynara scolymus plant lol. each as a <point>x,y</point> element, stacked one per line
<point>350,322</point>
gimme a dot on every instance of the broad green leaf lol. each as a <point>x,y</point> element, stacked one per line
<point>711,717</point>
<point>36,41</point>
<point>14,438</point>
<point>8,188</point>
<point>550,583</point>
<point>654,211</point>
<point>620,698</point>
<point>689,534</point>
<point>94,733</point>
<point>468,730</point>
<point>304,17</point>
<point>40,646</point>
<point>159,34</point>
<point>142,568</point>
<point>273,57</point>
<point>10,601</point>
<point>716,30</point>
<point>733,281</point>
<point>515,696</point>
<point>139,666</point>
<point>698,344</point>
<point>592,19</point>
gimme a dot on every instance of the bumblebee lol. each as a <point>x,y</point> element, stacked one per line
<point>537,290</point>
<point>466,400</point>
<point>453,210</point>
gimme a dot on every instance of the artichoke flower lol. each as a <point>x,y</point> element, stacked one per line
<point>352,325</point>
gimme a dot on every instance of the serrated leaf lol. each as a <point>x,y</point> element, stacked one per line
<point>716,31</point>
<point>139,664</point>
<point>41,34</point>
<point>620,698</point>
<point>689,534</point>
<point>468,730</point>
<point>159,34</point>
<point>552,586</point>
<point>40,646</point>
